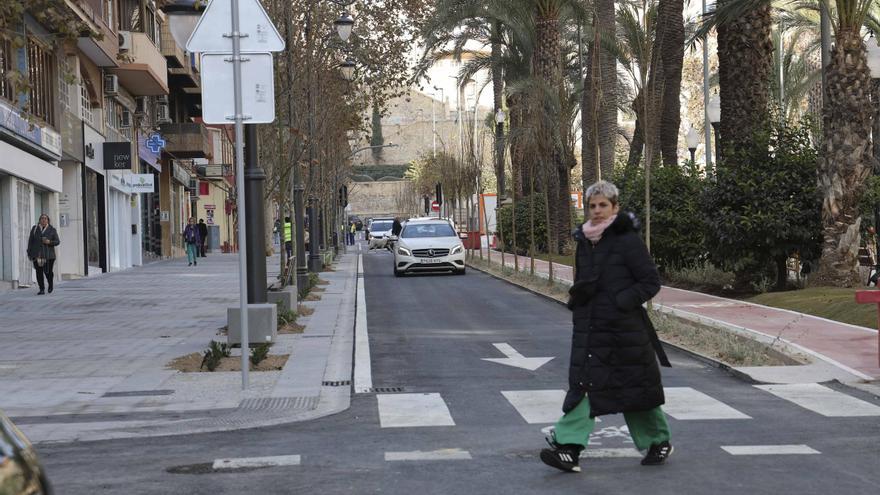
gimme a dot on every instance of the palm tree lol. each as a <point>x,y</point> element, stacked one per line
<point>845,160</point>
<point>599,97</point>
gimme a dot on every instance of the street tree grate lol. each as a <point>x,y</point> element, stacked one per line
<point>139,393</point>
<point>386,390</point>
<point>338,383</point>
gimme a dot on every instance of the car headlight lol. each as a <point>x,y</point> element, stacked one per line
<point>456,249</point>
<point>403,251</point>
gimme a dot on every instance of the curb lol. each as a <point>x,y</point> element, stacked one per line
<point>693,354</point>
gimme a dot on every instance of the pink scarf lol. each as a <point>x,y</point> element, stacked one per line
<point>594,232</point>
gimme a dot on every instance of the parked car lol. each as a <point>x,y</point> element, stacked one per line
<point>380,231</point>
<point>428,245</point>
<point>20,470</point>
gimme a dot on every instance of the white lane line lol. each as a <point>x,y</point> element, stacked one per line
<point>769,450</point>
<point>408,410</point>
<point>610,453</point>
<point>435,455</point>
<point>685,403</point>
<point>255,462</point>
<point>822,400</point>
<point>363,374</point>
<point>537,406</point>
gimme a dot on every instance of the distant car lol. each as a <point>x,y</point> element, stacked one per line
<point>428,245</point>
<point>380,231</point>
<point>20,470</point>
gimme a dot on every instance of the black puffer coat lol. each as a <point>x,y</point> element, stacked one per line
<point>614,347</point>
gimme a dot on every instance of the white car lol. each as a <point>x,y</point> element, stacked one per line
<point>380,231</point>
<point>428,245</point>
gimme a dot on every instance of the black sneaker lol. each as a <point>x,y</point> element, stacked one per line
<point>657,454</point>
<point>563,457</point>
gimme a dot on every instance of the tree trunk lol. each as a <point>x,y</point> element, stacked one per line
<point>497,98</point>
<point>781,273</point>
<point>846,159</point>
<point>745,63</point>
<point>670,19</point>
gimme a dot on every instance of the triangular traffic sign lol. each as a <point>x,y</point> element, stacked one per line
<point>208,36</point>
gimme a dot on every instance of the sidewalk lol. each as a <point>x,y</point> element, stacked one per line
<point>89,361</point>
<point>839,351</point>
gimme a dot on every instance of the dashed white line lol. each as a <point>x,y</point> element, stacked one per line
<point>769,450</point>
<point>685,403</point>
<point>434,455</point>
<point>822,400</point>
<point>363,374</point>
<point>257,462</point>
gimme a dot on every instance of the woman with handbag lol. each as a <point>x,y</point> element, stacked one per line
<point>41,251</point>
<point>615,349</point>
<point>193,239</point>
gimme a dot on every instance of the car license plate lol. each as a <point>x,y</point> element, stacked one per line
<point>429,261</point>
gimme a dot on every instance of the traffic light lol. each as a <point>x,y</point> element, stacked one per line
<point>439,194</point>
<point>343,196</point>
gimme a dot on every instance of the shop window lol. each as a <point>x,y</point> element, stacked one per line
<point>204,188</point>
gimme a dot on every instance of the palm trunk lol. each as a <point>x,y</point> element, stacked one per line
<point>846,159</point>
<point>670,20</point>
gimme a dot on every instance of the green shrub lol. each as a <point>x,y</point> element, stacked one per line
<point>285,316</point>
<point>700,275</point>
<point>523,225</point>
<point>259,353</point>
<point>215,353</point>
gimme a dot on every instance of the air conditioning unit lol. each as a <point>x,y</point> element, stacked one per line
<point>162,99</point>
<point>111,85</point>
<point>163,116</point>
<point>125,41</point>
<point>125,119</point>
<point>140,105</point>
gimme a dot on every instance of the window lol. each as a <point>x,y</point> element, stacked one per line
<point>42,79</point>
<point>427,230</point>
<point>130,15</point>
<point>85,105</point>
<point>6,64</point>
<point>151,27</point>
<point>63,87</point>
<point>108,12</point>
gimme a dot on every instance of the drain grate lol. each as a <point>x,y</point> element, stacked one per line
<point>338,383</point>
<point>139,393</point>
<point>276,403</point>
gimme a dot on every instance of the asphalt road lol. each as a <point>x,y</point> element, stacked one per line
<point>428,337</point>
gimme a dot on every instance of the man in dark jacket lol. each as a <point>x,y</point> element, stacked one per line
<point>203,233</point>
<point>614,349</point>
<point>192,240</point>
<point>41,251</point>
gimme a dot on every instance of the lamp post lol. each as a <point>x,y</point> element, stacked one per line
<point>874,67</point>
<point>500,119</point>
<point>434,118</point>
<point>693,140</point>
<point>714,111</point>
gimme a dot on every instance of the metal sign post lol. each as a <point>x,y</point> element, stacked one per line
<point>211,37</point>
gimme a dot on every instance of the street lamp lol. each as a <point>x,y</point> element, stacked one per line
<point>183,15</point>
<point>714,111</point>
<point>347,68</point>
<point>344,26</point>
<point>693,140</point>
<point>500,119</point>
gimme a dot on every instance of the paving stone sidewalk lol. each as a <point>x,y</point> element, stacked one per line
<point>842,352</point>
<point>90,360</point>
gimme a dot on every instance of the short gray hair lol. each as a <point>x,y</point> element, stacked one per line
<point>602,188</point>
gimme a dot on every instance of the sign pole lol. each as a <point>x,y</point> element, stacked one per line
<point>239,185</point>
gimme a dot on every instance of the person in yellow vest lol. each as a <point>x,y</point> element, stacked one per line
<point>288,237</point>
<point>351,232</point>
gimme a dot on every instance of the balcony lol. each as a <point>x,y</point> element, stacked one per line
<point>101,51</point>
<point>174,54</point>
<point>186,140</point>
<point>144,71</point>
<point>186,77</point>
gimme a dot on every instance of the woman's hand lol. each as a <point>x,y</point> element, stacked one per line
<point>46,240</point>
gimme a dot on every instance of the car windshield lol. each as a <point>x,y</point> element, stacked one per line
<point>416,231</point>
<point>380,226</point>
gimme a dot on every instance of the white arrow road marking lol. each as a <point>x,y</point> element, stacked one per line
<point>257,462</point>
<point>516,359</point>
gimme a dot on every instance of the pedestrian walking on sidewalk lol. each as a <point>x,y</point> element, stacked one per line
<point>288,237</point>
<point>615,349</point>
<point>352,229</point>
<point>41,252</point>
<point>203,241</point>
<point>193,240</point>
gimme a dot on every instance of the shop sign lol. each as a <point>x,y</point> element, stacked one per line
<point>117,156</point>
<point>141,183</point>
<point>43,136</point>
<point>181,173</point>
<point>146,154</point>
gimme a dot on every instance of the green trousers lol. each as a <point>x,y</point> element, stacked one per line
<point>645,427</point>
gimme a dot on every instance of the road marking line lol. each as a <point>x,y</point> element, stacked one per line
<point>436,455</point>
<point>256,462</point>
<point>516,359</point>
<point>363,374</point>
<point>822,400</point>
<point>769,450</point>
<point>610,453</point>
<point>408,410</point>
<point>685,403</point>
<point>536,406</point>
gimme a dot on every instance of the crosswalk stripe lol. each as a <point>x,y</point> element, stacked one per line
<point>434,455</point>
<point>769,450</point>
<point>822,400</point>
<point>685,403</point>
<point>408,410</point>
<point>536,406</point>
<point>610,453</point>
<point>255,462</point>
